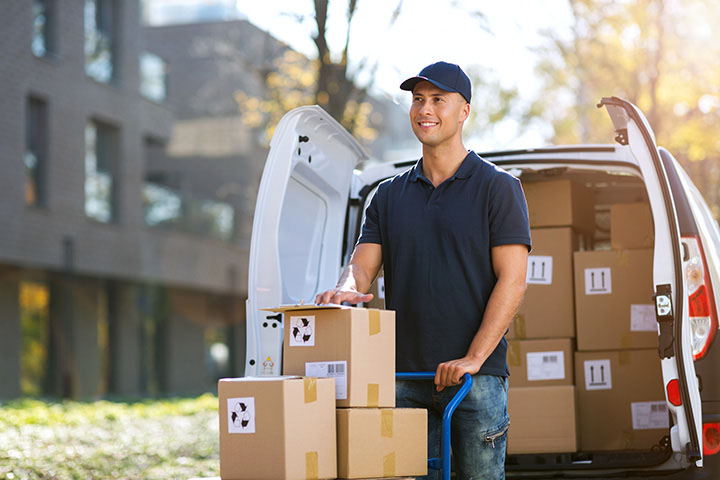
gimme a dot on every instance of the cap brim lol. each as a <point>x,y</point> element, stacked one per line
<point>410,83</point>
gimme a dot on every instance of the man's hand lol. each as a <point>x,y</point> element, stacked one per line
<point>338,296</point>
<point>450,373</point>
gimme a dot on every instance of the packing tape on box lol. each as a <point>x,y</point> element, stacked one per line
<point>386,423</point>
<point>389,465</point>
<point>374,315</point>
<point>626,340</point>
<point>624,358</point>
<point>373,394</point>
<point>519,326</point>
<point>310,384</point>
<point>311,466</point>
<point>514,357</point>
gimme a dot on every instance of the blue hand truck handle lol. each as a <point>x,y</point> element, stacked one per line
<point>442,463</point>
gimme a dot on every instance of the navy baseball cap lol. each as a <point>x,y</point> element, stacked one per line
<point>445,76</point>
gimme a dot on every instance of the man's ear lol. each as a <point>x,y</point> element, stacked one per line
<point>465,110</point>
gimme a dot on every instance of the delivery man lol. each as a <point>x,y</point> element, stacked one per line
<point>453,237</point>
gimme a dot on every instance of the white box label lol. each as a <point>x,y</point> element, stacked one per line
<point>642,318</point>
<point>539,270</point>
<point>302,331</point>
<point>241,415</point>
<point>546,365</point>
<point>598,375</point>
<point>336,370</point>
<point>598,281</point>
<point>381,287</point>
<point>647,415</point>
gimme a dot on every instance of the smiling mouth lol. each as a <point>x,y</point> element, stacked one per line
<point>428,124</point>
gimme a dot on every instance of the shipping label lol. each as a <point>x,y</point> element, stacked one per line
<point>336,370</point>
<point>598,281</point>
<point>647,415</point>
<point>241,415</point>
<point>302,331</point>
<point>539,270</point>
<point>546,365</point>
<point>598,375</point>
<point>642,318</point>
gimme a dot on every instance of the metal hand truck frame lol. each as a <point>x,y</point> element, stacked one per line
<point>442,463</point>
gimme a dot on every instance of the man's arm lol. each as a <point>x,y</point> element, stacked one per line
<point>510,265</point>
<point>357,277</point>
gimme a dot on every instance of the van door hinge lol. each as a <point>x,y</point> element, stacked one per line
<point>666,320</point>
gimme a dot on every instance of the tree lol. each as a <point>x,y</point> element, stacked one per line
<point>658,54</point>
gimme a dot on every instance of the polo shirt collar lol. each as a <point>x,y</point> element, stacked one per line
<point>464,171</point>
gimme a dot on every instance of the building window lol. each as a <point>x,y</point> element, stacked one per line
<point>100,39</point>
<point>101,143</point>
<point>153,77</point>
<point>43,37</point>
<point>34,326</point>
<point>36,141</point>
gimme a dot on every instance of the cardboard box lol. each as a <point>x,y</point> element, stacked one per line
<point>621,400</point>
<point>560,203</point>
<point>535,363</point>
<point>542,420</point>
<point>631,226</point>
<point>614,300</point>
<point>548,309</point>
<point>378,290</point>
<point>356,346</point>
<point>277,427</point>
<point>381,442</point>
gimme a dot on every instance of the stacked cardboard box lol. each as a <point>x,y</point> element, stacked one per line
<point>541,337</point>
<point>277,427</point>
<point>356,346</point>
<point>621,402</point>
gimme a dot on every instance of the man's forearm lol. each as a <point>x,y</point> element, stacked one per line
<point>502,305</point>
<point>354,278</point>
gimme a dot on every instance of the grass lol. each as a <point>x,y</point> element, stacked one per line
<point>154,439</point>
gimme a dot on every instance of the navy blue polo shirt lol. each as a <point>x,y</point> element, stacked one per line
<point>436,255</point>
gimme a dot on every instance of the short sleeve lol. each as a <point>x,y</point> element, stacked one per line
<point>371,232</point>
<point>508,213</point>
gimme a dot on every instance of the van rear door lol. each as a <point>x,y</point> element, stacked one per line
<point>298,228</point>
<point>681,386</point>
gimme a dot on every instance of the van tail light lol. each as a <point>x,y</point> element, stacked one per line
<point>673,392</point>
<point>711,438</point>
<point>701,299</point>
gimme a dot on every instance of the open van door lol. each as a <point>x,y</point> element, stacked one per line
<point>298,227</point>
<point>682,392</point>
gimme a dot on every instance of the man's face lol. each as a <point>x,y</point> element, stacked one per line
<point>437,116</point>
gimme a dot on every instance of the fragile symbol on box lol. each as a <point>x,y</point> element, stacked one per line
<point>598,375</point>
<point>539,270</point>
<point>302,331</point>
<point>241,415</point>
<point>648,415</point>
<point>598,281</point>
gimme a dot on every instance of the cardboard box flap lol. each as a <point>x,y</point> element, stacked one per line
<point>309,306</point>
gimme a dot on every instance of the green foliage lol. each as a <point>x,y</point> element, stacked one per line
<point>659,54</point>
<point>176,438</point>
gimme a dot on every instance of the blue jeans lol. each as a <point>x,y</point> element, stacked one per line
<point>479,424</point>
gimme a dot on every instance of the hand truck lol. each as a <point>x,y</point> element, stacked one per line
<point>442,463</point>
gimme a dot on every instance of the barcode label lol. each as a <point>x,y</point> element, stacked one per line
<point>545,365</point>
<point>334,370</point>
<point>649,415</point>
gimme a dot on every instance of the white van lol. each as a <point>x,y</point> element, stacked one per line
<point>308,216</point>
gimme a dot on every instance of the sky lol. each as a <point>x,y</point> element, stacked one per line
<point>426,31</point>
